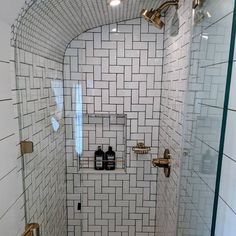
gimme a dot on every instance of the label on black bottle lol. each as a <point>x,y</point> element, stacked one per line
<point>110,162</point>
<point>99,160</point>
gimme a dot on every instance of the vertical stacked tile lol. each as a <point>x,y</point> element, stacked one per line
<point>119,68</point>
<point>174,82</point>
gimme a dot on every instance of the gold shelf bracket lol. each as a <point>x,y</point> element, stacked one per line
<point>140,148</point>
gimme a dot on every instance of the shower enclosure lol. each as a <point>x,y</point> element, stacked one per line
<point>83,80</point>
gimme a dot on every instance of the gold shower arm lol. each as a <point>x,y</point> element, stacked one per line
<point>167,4</point>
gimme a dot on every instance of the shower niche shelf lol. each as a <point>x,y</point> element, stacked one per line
<point>103,130</point>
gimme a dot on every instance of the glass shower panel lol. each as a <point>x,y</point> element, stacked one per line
<point>41,87</point>
<point>40,105</point>
<point>210,45</point>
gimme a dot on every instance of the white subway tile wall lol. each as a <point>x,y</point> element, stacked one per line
<point>119,68</point>
<point>38,98</point>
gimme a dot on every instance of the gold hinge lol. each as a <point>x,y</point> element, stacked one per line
<point>26,147</point>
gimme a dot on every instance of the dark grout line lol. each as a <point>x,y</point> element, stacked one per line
<point>4,213</point>
<point>7,62</point>
<point>218,107</point>
<point>230,158</point>
<point>7,137</point>
<point>214,64</point>
<point>227,204</point>
<point>7,173</point>
<point>6,99</point>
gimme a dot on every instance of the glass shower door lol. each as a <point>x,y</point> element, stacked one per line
<point>210,46</point>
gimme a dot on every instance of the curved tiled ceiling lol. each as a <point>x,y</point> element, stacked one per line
<point>45,27</point>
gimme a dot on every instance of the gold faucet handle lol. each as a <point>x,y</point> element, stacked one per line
<point>164,162</point>
<point>161,162</point>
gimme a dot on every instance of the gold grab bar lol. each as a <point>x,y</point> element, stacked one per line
<point>31,230</point>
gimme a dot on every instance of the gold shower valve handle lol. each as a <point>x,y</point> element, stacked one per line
<point>164,162</point>
<point>161,162</point>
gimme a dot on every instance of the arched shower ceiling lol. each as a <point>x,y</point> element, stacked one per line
<point>45,27</point>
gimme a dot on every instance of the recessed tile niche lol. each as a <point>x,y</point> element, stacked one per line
<point>103,130</point>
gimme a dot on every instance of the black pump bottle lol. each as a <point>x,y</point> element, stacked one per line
<point>99,158</point>
<point>110,159</point>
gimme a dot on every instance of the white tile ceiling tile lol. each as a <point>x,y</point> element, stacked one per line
<point>45,27</point>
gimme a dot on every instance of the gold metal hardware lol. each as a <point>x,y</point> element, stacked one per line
<point>31,230</point>
<point>154,15</point>
<point>26,147</point>
<point>163,162</point>
<point>168,4</point>
<point>197,3</point>
<point>140,148</point>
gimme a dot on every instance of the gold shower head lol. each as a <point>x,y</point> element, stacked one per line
<point>154,15</point>
<point>157,20</point>
<point>147,14</point>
